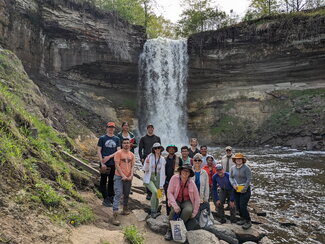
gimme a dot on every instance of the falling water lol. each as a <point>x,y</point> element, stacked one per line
<point>163,89</point>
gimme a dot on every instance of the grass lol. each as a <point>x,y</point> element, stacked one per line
<point>132,234</point>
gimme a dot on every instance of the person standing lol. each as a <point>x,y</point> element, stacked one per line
<point>172,162</point>
<point>124,164</point>
<point>193,148</point>
<point>125,133</point>
<point>204,153</point>
<point>106,148</point>
<point>240,177</point>
<point>226,191</point>
<point>145,146</point>
<point>154,175</point>
<point>185,159</point>
<point>226,160</point>
<point>200,178</point>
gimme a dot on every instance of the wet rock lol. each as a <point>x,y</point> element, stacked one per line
<point>265,240</point>
<point>201,236</point>
<point>259,211</point>
<point>252,234</point>
<point>192,224</point>
<point>286,222</point>
<point>158,225</point>
<point>223,233</point>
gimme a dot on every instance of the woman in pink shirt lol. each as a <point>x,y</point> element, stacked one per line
<point>183,196</point>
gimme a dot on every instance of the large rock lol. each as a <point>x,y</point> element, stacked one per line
<point>265,240</point>
<point>159,224</point>
<point>223,233</point>
<point>201,236</point>
<point>252,234</point>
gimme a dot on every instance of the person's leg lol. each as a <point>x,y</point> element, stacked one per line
<point>167,207</point>
<point>153,201</point>
<point>111,183</point>
<point>103,186</point>
<point>244,198</point>
<point>232,210</point>
<point>118,188</point>
<point>221,211</point>
<point>126,193</point>
<point>187,210</point>
<point>237,201</point>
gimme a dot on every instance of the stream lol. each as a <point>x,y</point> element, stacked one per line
<point>289,185</point>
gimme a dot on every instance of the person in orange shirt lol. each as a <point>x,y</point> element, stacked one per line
<point>210,168</point>
<point>124,163</point>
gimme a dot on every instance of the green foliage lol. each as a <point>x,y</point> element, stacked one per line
<point>132,234</point>
<point>199,16</point>
<point>48,195</point>
<point>68,186</point>
<point>80,216</point>
<point>261,8</point>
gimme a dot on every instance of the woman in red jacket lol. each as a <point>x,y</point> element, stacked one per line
<point>183,196</point>
<point>210,168</point>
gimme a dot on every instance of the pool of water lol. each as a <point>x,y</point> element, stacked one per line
<point>288,184</point>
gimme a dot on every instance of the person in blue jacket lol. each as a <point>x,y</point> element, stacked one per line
<point>221,180</point>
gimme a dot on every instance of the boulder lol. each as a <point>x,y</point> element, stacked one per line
<point>140,214</point>
<point>265,240</point>
<point>201,236</point>
<point>223,242</point>
<point>159,224</point>
<point>252,234</point>
<point>223,233</point>
<point>249,242</point>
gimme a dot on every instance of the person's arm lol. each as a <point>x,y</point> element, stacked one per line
<point>132,168</point>
<point>196,203</point>
<point>146,163</point>
<point>232,179</point>
<point>141,149</point>
<point>214,188</point>
<point>248,180</point>
<point>100,157</point>
<point>159,139</point>
<point>207,188</point>
<point>162,173</point>
<point>170,194</point>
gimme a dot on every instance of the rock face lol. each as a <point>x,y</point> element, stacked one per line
<point>80,57</point>
<point>246,78</point>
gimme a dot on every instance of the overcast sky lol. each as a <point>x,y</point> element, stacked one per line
<point>171,9</point>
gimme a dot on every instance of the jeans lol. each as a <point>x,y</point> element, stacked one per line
<point>223,195</point>
<point>186,211</point>
<point>121,187</point>
<point>107,190</point>
<point>153,186</point>
<point>241,200</point>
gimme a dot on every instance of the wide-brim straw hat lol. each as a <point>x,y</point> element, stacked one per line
<point>186,166</point>
<point>239,155</point>
<point>157,144</point>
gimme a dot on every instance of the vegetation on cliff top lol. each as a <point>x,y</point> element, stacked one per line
<point>29,157</point>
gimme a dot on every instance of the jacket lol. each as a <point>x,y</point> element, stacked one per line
<point>224,162</point>
<point>173,190</point>
<point>210,174</point>
<point>145,145</point>
<point>147,170</point>
<point>132,139</point>
<point>204,186</point>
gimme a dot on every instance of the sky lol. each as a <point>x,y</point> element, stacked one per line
<point>171,9</point>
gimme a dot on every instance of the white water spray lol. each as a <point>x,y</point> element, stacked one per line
<point>163,89</point>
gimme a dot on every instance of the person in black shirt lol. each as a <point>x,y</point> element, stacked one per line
<point>193,148</point>
<point>172,161</point>
<point>145,146</point>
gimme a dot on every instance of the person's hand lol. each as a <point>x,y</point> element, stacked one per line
<point>124,178</point>
<point>193,216</point>
<point>103,167</point>
<point>142,160</point>
<point>231,204</point>
<point>243,191</point>
<point>218,203</point>
<point>235,187</point>
<point>130,178</point>
<point>177,210</point>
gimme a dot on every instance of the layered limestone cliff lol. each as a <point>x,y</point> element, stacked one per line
<point>260,83</point>
<point>81,58</point>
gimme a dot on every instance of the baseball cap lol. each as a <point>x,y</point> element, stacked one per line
<point>229,148</point>
<point>219,166</point>
<point>150,125</point>
<point>110,124</point>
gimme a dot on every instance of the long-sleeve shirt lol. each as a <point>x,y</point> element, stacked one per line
<point>241,176</point>
<point>210,172</point>
<point>223,183</point>
<point>145,145</point>
<point>227,162</point>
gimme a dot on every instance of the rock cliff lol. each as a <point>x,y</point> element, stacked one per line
<point>246,79</point>
<point>82,58</point>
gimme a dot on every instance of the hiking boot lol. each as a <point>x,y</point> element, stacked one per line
<point>107,202</point>
<point>115,220</point>
<point>154,214</point>
<point>247,225</point>
<point>233,221</point>
<point>241,222</point>
<point>125,210</point>
<point>222,221</point>
<point>148,197</point>
<point>168,236</point>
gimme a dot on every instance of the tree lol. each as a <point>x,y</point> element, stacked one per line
<point>199,16</point>
<point>261,8</point>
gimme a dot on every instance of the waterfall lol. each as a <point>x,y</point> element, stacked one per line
<point>163,89</point>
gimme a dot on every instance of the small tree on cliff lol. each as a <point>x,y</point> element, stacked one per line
<point>261,8</point>
<point>199,16</point>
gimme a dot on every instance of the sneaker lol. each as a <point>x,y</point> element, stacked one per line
<point>107,203</point>
<point>247,225</point>
<point>168,236</point>
<point>222,221</point>
<point>241,222</point>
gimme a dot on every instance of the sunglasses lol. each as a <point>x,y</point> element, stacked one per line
<point>197,160</point>
<point>155,148</point>
<point>228,150</point>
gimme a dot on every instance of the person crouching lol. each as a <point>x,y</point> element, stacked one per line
<point>183,196</point>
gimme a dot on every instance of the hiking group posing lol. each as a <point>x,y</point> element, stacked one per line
<point>189,181</point>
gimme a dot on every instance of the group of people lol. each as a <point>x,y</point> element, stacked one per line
<point>189,181</point>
